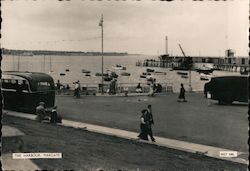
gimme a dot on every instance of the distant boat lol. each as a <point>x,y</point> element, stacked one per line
<point>150,70</point>
<point>125,74</point>
<point>119,67</point>
<point>160,73</point>
<point>67,70</point>
<point>62,74</point>
<point>182,73</point>
<point>87,75</point>
<point>100,74</point>
<point>205,77</point>
<point>146,73</point>
<point>184,76</point>
<point>107,78</point>
<point>143,76</point>
<point>85,71</point>
<point>205,70</point>
<point>113,75</point>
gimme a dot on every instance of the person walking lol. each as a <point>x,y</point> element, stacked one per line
<point>144,125</point>
<point>182,94</point>
<point>77,89</point>
<point>150,120</point>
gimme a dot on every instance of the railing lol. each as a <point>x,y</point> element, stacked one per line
<point>90,89</point>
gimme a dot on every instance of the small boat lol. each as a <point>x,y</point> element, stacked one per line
<point>107,78</point>
<point>100,74</point>
<point>67,70</point>
<point>160,73</point>
<point>62,74</point>
<point>125,74</point>
<point>143,76</point>
<point>87,75</point>
<point>150,79</point>
<point>150,70</point>
<point>205,70</point>
<point>146,73</point>
<point>119,67</point>
<point>182,73</point>
<point>205,77</point>
<point>184,76</point>
<point>113,75</point>
<point>85,71</point>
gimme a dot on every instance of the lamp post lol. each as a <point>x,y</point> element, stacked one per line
<point>101,24</point>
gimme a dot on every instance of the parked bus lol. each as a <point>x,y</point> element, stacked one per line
<point>227,89</point>
<point>22,91</point>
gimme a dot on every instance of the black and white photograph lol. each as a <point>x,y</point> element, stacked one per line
<point>124,85</point>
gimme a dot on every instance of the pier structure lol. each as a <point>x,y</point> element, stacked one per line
<point>230,63</point>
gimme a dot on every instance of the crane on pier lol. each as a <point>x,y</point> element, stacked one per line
<point>189,62</point>
<point>182,51</point>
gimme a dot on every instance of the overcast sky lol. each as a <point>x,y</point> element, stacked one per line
<point>202,28</point>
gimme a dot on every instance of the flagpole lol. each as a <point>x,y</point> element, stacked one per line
<point>102,52</point>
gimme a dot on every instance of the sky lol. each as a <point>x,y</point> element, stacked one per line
<point>205,28</point>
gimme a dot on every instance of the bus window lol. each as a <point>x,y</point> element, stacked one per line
<point>41,86</point>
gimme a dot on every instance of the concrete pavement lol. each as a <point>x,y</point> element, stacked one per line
<point>166,142</point>
<point>198,121</point>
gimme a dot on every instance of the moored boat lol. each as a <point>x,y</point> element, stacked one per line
<point>182,73</point>
<point>160,73</point>
<point>150,70</point>
<point>119,67</point>
<point>125,74</point>
<point>100,74</point>
<point>85,71</point>
<point>184,76</point>
<point>205,77</point>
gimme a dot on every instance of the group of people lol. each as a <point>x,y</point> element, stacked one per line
<point>146,122</point>
<point>43,114</point>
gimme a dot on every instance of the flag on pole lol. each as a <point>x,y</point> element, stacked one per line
<point>101,22</point>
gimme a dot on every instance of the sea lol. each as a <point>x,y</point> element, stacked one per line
<point>72,66</point>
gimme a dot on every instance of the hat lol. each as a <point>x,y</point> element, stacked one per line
<point>42,103</point>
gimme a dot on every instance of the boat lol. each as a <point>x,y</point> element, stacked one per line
<point>119,67</point>
<point>184,76</point>
<point>205,77</point>
<point>150,70</point>
<point>160,73</point>
<point>125,74</point>
<point>146,73</point>
<point>100,74</point>
<point>113,75</point>
<point>67,70</point>
<point>107,78</point>
<point>143,76</point>
<point>85,71</point>
<point>182,73</point>
<point>62,74</point>
<point>205,70</point>
<point>87,75</point>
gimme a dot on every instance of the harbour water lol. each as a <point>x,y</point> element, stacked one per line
<point>75,64</point>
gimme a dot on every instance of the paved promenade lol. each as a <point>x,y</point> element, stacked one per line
<point>169,143</point>
<point>198,121</point>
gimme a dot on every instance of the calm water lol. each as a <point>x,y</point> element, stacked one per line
<point>75,64</point>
